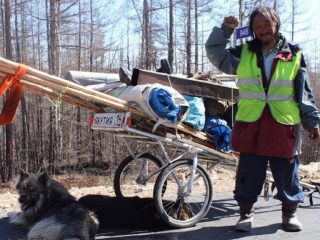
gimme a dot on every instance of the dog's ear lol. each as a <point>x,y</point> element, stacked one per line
<point>43,178</point>
<point>23,174</point>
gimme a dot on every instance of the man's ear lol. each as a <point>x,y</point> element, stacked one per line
<point>43,178</point>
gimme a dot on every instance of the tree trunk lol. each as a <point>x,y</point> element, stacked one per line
<point>93,157</point>
<point>51,29</point>
<point>147,34</point>
<point>58,104</point>
<point>24,118</point>
<point>3,25</point>
<point>10,127</point>
<point>240,18</point>
<point>293,19</point>
<point>171,29</point>
<point>91,36</point>
<point>52,37</point>
<point>188,38</point>
<point>196,41</point>
<point>39,118</point>
<point>128,39</point>
<point>78,136</point>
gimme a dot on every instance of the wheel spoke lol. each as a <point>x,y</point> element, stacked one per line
<point>188,207</point>
<point>134,177</point>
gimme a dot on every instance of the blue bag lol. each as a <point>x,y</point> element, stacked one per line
<point>196,117</point>
<point>219,132</point>
<point>163,105</point>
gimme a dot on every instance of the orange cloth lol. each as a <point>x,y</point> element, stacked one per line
<point>14,94</point>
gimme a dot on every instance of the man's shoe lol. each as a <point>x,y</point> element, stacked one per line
<point>291,223</point>
<point>244,224</point>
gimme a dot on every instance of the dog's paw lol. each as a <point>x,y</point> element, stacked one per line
<point>35,238</point>
<point>16,218</point>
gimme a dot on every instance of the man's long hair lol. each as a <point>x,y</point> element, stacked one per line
<point>268,13</point>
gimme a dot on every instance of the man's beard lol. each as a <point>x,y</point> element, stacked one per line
<point>269,41</point>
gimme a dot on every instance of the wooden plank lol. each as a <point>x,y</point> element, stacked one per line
<point>186,85</point>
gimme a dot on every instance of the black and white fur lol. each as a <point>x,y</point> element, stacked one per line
<point>50,212</point>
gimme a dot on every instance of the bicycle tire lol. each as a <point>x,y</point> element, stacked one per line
<point>175,208</point>
<point>123,171</point>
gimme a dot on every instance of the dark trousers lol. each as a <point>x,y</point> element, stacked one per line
<point>251,174</point>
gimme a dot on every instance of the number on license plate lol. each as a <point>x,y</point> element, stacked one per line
<point>110,120</point>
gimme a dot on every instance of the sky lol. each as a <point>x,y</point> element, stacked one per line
<point>314,32</point>
<point>307,20</point>
<point>309,40</point>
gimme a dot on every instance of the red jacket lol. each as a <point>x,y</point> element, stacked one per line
<point>265,137</point>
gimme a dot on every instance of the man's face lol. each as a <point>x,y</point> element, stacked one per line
<point>264,30</point>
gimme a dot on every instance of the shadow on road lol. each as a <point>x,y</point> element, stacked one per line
<point>218,224</point>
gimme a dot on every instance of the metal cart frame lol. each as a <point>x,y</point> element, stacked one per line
<point>178,195</point>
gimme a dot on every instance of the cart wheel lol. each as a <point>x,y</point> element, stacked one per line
<point>176,206</point>
<point>132,177</point>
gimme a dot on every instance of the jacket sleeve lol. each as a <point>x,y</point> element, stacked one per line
<point>226,60</point>
<point>310,115</point>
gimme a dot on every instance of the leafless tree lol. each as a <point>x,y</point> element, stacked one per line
<point>188,38</point>
<point>171,31</point>
<point>10,127</point>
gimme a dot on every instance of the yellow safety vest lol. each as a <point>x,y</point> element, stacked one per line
<point>280,95</point>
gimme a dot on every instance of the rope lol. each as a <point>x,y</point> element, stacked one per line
<point>13,83</point>
<point>169,80</point>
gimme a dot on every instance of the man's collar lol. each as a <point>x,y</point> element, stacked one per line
<point>284,52</point>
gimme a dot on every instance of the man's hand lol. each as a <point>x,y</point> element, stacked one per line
<point>314,133</point>
<point>231,22</point>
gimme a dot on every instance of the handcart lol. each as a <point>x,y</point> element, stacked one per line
<point>179,183</point>
<point>180,186</point>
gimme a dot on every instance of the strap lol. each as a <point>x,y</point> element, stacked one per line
<point>14,94</point>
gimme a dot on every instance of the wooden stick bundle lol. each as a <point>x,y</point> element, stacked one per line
<point>55,87</point>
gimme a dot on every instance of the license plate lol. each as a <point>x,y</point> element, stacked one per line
<point>111,120</point>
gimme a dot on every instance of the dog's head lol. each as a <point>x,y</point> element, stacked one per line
<point>32,190</point>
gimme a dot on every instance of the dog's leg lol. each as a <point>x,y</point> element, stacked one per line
<point>46,229</point>
<point>17,218</point>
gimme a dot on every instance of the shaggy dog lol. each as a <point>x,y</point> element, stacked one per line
<point>129,212</point>
<point>50,211</point>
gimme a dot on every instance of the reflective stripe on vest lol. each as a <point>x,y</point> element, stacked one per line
<point>280,96</point>
<point>263,96</point>
<point>252,81</point>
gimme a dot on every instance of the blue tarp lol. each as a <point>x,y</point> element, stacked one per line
<point>162,104</point>
<point>196,117</point>
<point>218,130</point>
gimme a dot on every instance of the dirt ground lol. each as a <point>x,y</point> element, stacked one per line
<point>83,184</point>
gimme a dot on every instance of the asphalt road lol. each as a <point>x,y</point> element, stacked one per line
<point>218,224</point>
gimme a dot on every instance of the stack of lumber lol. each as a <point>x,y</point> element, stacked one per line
<point>55,87</point>
<point>44,84</point>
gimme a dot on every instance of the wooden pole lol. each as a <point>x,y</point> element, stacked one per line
<point>44,84</point>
